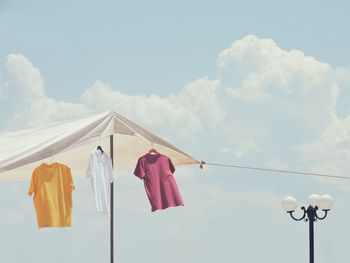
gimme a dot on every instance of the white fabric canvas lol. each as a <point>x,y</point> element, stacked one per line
<point>71,143</point>
<point>100,173</point>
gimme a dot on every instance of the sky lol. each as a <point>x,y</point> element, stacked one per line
<point>255,83</point>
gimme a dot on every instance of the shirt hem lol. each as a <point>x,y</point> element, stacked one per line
<point>165,207</point>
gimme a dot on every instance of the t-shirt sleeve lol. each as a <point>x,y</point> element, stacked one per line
<point>71,181</point>
<point>171,166</point>
<point>32,187</point>
<point>140,169</point>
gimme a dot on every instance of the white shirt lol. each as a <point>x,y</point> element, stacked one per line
<point>100,172</point>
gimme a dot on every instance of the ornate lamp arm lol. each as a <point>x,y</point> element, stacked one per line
<point>324,216</point>
<point>298,219</point>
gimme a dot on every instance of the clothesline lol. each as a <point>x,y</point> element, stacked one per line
<point>202,163</point>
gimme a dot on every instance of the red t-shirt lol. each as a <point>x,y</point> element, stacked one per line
<point>156,170</point>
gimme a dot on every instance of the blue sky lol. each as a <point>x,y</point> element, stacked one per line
<point>249,83</point>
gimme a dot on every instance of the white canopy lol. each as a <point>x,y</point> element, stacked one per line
<point>71,143</point>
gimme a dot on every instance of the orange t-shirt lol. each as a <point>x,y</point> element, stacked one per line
<point>52,185</point>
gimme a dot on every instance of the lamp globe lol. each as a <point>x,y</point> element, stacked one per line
<point>289,204</point>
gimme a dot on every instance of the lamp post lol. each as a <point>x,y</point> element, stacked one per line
<point>316,202</point>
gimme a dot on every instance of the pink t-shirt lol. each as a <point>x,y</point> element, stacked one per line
<point>156,170</point>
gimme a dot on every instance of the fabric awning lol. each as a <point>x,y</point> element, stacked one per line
<point>71,143</point>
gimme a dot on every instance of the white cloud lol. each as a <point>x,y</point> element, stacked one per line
<point>23,95</point>
<point>282,102</point>
<point>23,81</point>
<point>44,111</point>
<point>246,56</point>
<point>269,105</point>
<point>194,109</point>
<point>287,89</point>
<point>330,154</point>
<point>337,131</point>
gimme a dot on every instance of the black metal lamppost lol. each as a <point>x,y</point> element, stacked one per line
<point>316,202</point>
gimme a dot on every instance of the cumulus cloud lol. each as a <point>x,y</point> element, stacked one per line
<point>23,81</point>
<point>194,109</point>
<point>269,105</point>
<point>24,99</point>
<point>283,103</point>
<point>44,111</point>
<point>283,91</point>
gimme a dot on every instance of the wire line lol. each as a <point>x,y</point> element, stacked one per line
<point>273,170</point>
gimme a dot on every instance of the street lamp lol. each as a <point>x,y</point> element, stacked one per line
<point>316,202</point>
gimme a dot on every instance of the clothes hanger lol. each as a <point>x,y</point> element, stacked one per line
<point>100,148</point>
<point>50,160</point>
<point>152,151</point>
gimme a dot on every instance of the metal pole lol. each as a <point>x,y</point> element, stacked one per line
<point>112,205</point>
<point>311,237</point>
<point>311,214</point>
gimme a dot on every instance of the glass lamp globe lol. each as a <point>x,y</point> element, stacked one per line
<point>314,200</point>
<point>289,204</point>
<point>326,202</point>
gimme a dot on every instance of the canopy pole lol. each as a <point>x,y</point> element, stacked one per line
<point>112,205</point>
